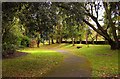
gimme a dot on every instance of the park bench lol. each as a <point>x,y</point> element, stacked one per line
<point>79,47</point>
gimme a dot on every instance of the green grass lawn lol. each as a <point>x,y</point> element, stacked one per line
<point>104,62</point>
<point>39,61</point>
<point>35,64</point>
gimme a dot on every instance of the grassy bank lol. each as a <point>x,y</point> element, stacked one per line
<point>39,61</point>
<point>104,62</point>
<point>35,64</point>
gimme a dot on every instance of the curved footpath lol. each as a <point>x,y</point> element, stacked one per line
<point>72,66</point>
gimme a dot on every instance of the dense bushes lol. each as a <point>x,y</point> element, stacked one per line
<point>12,35</point>
<point>25,41</point>
<point>33,42</point>
<point>10,42</point>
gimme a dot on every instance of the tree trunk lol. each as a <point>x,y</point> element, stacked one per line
<point>80,40</point>
<point>86,38</point>
<point>57,40</point>
<point>66,40</point>
<point>60,40</point>
<point>114,44</point>
<point>52,40</point>
<point>73,41</point>
<point>43,42</point>
<point>92,41</point>
<point>49,41</point>
<point>38,42</point>
<point>118,45</point>
<point>96,37</point>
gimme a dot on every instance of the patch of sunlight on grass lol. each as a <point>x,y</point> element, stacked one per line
<point>37,51</point>
<point>68,45</point>
<point>36,63</point>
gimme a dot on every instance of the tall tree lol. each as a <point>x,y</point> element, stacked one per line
<point>11,27</point>
<point>91,10</point>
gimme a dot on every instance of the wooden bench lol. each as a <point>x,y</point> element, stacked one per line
<point>79,47</point>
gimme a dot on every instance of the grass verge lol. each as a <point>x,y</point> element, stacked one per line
<point>35,64</point>
<point>104,62</point>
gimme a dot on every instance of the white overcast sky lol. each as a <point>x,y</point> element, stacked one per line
<point>100,16</point>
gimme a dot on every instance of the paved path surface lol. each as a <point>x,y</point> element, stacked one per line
<point>72,66</point>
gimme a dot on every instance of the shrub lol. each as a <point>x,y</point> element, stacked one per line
<point>11,39</point>
<point>25,41</point>
<point>10,43</point>
<point>33,43</point>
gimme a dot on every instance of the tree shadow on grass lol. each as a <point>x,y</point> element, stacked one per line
<point>14,55</point>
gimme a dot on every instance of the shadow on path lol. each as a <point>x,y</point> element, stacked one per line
<point>72,66</point>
